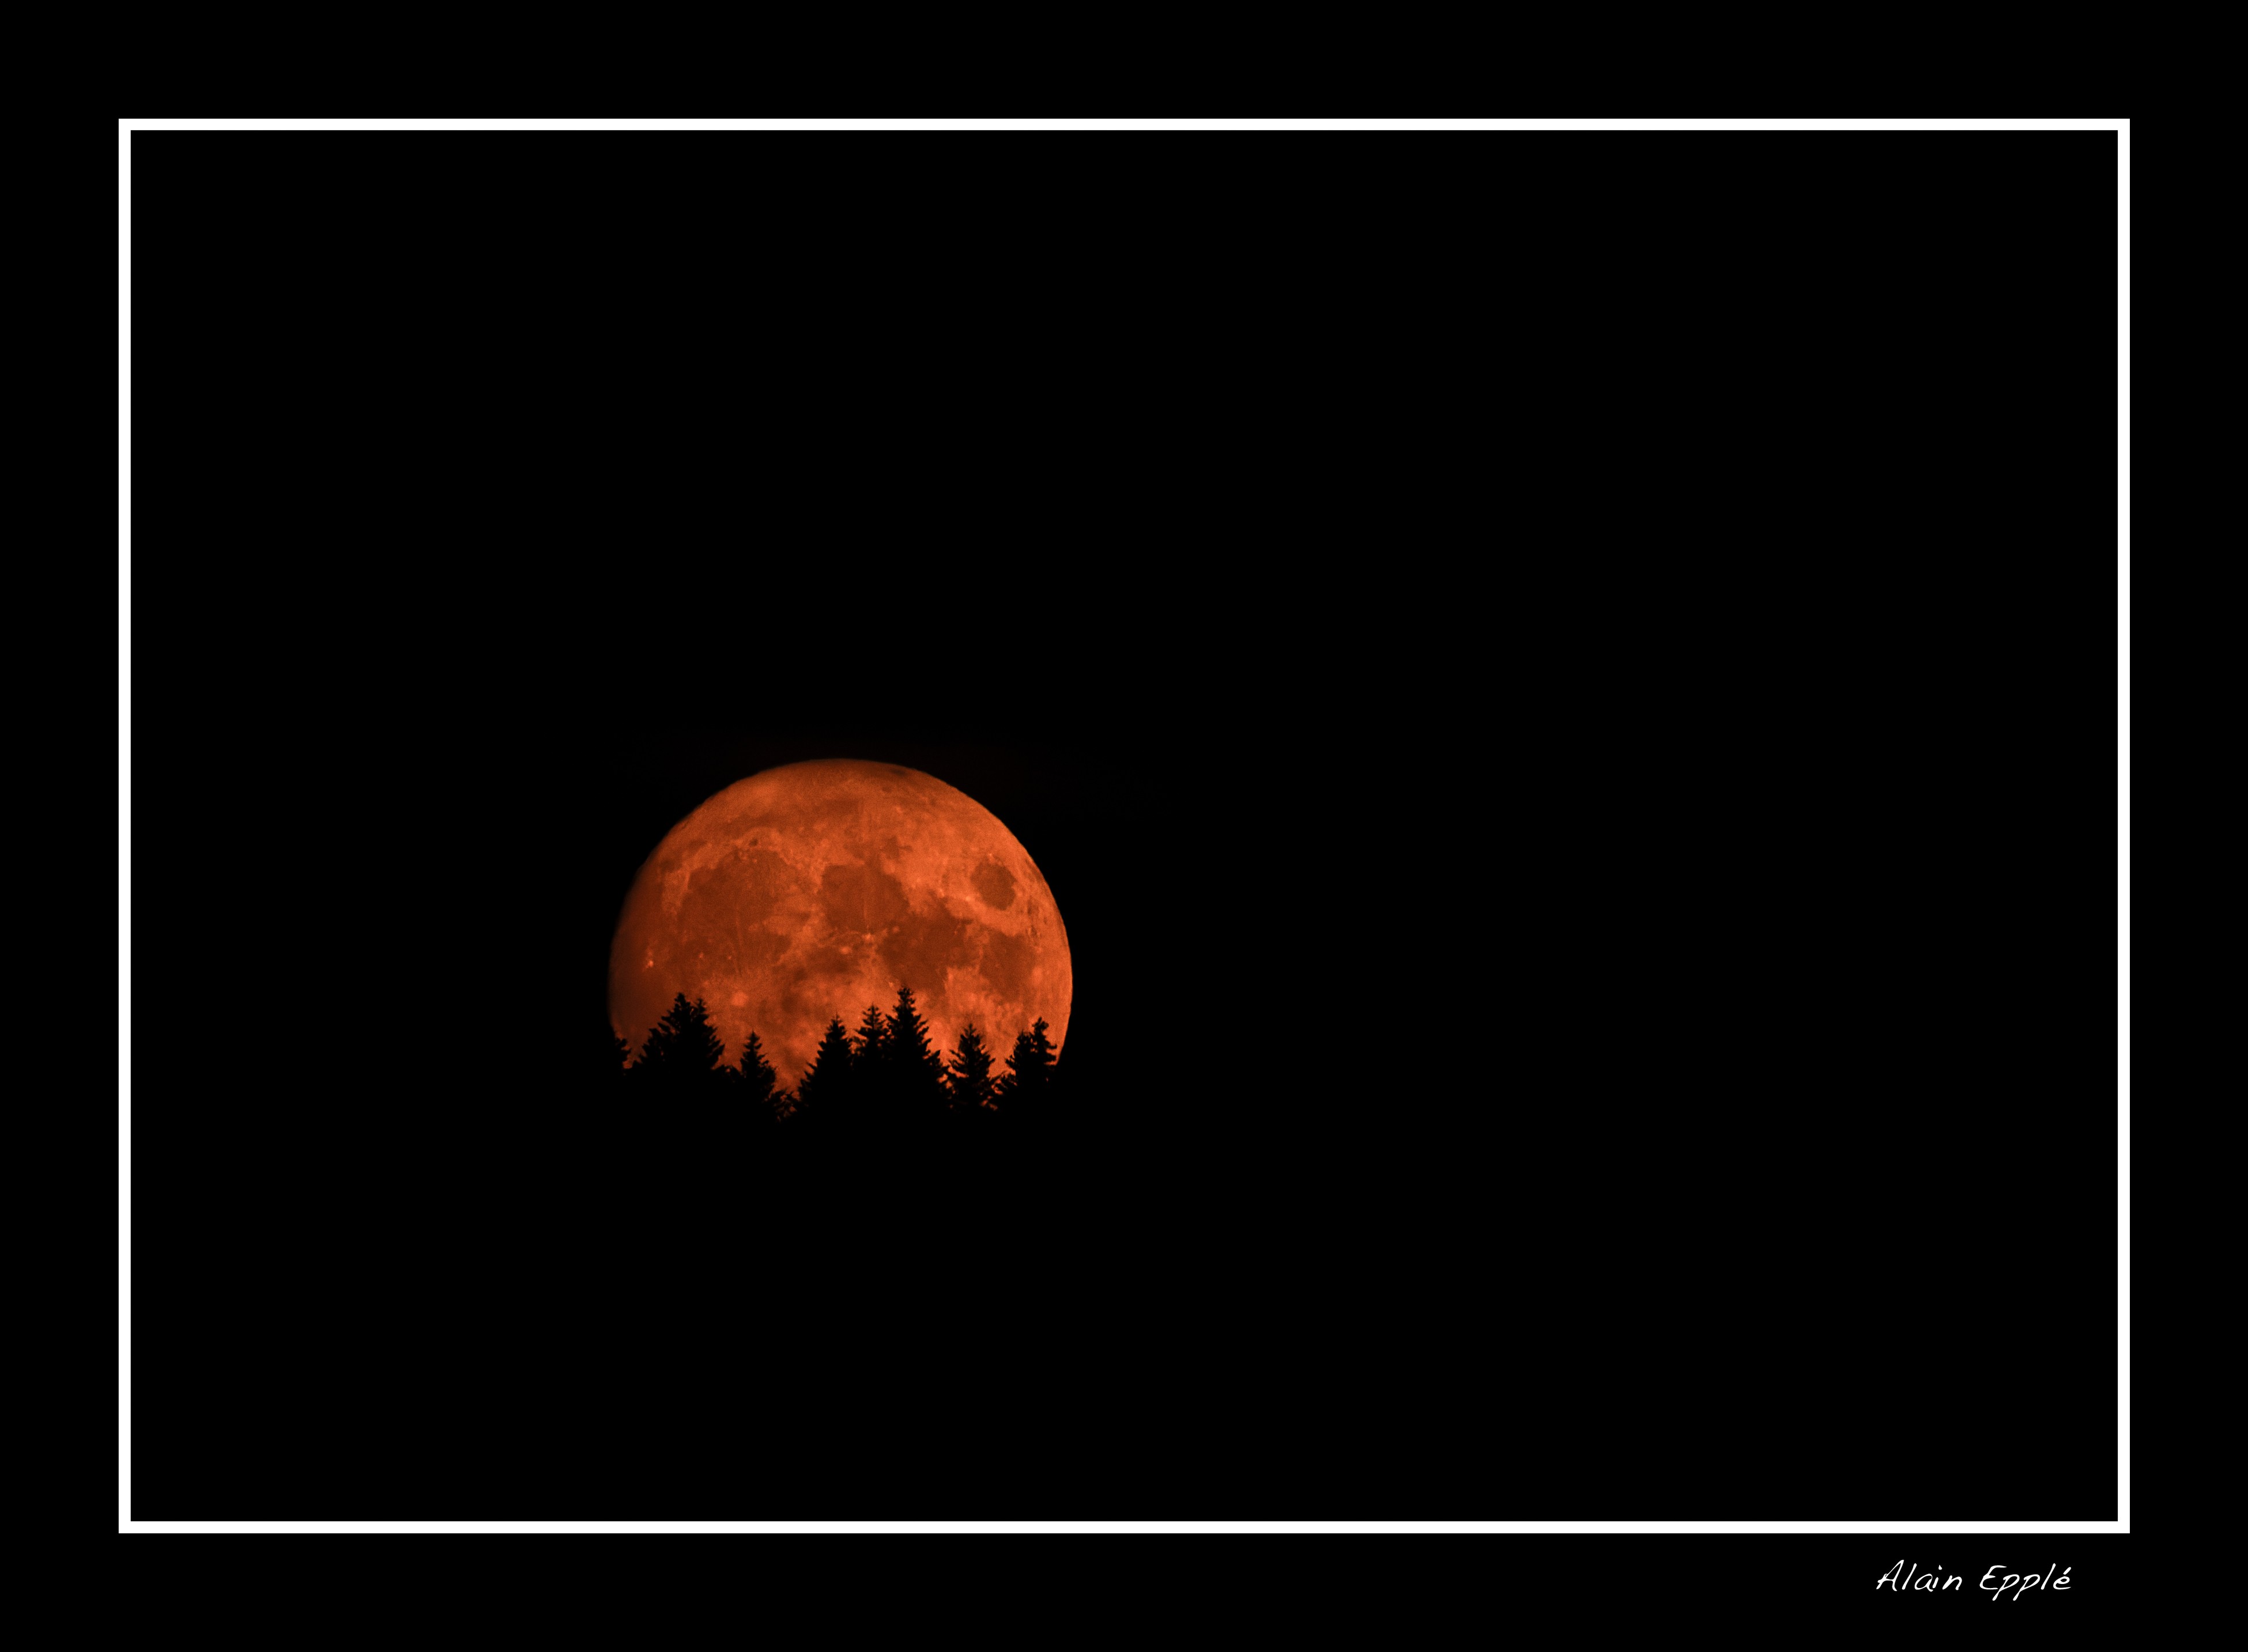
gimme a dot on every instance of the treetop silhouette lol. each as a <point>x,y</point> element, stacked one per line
<point>759,1082</point>
<point>826,1082</point>
<point>969,1072</point>
<point>887,1077</point>
<point>872,1036</point>
<point>1029,1070</point>
<point>683,1050</point>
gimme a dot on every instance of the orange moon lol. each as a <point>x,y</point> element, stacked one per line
<point>815,890</point>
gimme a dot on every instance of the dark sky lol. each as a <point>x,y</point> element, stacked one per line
<point>1584,689</point>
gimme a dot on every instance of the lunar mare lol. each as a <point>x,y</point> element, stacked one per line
<point>815,890</point>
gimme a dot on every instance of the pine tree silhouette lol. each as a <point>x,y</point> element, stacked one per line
<point>916,1086</point>
<point>1030,1072</point>
<point>757,1081</point>
<point>823,1094</point>
<point>969,1073</point>
<point>683,1052</point>
<point>885,1081</point>
<point>871,1086</point>
<point>871,1040</point>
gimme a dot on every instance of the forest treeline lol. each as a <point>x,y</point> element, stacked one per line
<point>885,1076</point>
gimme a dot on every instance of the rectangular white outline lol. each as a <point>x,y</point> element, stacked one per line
<point>124,130</point>
<point>124,823</point>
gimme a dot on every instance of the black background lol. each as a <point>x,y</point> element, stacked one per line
<point>1565,692</point>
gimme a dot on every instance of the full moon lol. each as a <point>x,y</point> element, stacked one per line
<point>816,889</point>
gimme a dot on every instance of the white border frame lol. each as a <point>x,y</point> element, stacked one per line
<point>126,127</point>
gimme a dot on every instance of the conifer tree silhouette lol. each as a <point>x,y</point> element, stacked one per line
<point>886,1080</point>
<point>1030,1071</point>
<point>915,1071</point>
<point>871,1042</point>
<point>870,1071</point>
<point>684,1051</point>
<point>969,1073</point>
<point>757,1079</point>
<point>825,1090</point>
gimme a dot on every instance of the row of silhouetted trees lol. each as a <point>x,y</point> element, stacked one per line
<point>885,1076</point>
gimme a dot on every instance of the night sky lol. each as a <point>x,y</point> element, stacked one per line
<point>1575,749</point>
